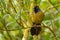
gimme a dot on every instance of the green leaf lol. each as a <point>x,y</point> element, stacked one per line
<point>4,4</point>
<point>53,1</point>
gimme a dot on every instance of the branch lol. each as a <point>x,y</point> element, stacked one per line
<point>12,5</point>
<point>52,5</point>
<point>51,8</point>
<point>55,37</point>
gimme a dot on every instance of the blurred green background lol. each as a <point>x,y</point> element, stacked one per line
<point>11,10</point>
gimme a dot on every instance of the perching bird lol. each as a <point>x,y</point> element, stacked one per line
<point>37,18</point>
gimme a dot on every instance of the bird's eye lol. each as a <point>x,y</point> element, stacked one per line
<point>36,9</point>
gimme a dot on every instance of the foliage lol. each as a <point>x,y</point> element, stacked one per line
<point>12,10</point>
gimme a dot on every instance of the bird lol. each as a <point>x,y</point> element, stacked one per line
<point>37,18</point>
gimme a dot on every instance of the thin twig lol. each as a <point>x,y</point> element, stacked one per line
<point>12,6</point>
<point>4,25</point>
<point>51,7</point>
<point>51,31</point>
